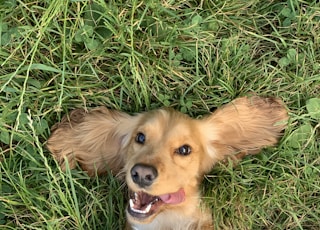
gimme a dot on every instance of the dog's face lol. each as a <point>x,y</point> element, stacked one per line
<point>164,153</point>
<point>163,163</point>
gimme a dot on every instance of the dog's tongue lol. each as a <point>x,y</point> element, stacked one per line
<point>173,198</point>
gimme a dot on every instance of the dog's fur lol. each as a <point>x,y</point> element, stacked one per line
<point>165,153</point>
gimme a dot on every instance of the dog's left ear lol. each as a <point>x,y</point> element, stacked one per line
<point>242,127</point>
<point>96,140</point>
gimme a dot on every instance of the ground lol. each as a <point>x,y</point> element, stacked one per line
<point>139,55</point>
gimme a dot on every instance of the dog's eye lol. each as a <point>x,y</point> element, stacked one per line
<point>184,150</point>
<point>140,138</point>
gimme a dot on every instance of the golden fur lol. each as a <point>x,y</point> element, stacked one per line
<point>165,153</point>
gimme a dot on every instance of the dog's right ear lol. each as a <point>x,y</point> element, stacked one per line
<point>243,127</point>
<point>97,140</point>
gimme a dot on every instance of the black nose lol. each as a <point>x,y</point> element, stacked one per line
<point>143,175</point>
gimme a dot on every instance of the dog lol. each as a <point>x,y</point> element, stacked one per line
<point>165,154</point>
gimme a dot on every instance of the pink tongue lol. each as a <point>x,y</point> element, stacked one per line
<point>173,198</point>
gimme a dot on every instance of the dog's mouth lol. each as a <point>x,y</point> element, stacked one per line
<point>143,205</point>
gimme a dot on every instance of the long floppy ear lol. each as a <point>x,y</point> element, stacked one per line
<point>242,127</point>
<point>97,140</point>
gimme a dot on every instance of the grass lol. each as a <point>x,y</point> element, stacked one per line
<point>140,55</point>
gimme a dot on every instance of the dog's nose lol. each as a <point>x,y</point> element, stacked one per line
<point>143,175</point>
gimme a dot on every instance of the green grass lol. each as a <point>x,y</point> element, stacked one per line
<point>191,55</point>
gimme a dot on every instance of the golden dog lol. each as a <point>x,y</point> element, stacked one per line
<point>165,153</point>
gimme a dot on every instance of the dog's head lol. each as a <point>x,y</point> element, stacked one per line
<point>164,163</point>
<point>165,153</point>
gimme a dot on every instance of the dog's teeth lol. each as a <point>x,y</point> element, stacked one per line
<point>155,200</point>
<point>148,208</point>
<point>135,196</point>
<point>131,203</point>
